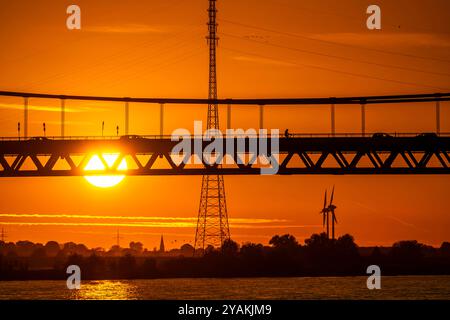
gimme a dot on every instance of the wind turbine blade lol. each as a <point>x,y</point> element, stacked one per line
<point>334,217</point>
<point>332,195</point>
<point>325,199</point>
<point>323,223</point>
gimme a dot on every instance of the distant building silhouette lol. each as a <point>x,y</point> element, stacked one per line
<point>161,245</point>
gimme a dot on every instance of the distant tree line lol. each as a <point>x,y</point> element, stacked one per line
<point>284,256</point>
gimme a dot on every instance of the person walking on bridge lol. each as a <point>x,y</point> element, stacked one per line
<point>286,133</point>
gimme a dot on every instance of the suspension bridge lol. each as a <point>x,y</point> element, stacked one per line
<point>328,153</point>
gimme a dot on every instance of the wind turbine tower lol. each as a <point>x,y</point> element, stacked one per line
<point>328,210</point>
<point>324,212</point>
<point>331,209</point>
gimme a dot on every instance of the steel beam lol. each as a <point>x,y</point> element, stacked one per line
<point>333,155</point>
<point>274,101</point>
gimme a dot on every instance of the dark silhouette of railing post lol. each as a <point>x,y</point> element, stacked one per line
<point>25,117</point>
<point>228,116</point>
<point>63,116</point>
<point>127,117</point>
<point>261,116</point>
<point>161,119</point>
<point>333,123</point>
<point>363,117</point>
<point>333,101</point>
<point>438,115</point>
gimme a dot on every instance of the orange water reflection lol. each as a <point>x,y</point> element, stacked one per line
<point>105,290</point>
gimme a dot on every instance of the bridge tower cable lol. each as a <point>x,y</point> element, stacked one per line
<point>212,223</point>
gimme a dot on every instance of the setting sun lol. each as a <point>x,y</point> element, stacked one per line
<point>104,181</point>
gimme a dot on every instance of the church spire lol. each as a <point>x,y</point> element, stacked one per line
<point>161,245</point>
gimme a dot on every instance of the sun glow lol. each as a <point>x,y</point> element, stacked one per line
<point>105,181</point>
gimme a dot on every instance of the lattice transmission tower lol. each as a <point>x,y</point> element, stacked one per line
<point>3,235</point>
<point>212,223</point>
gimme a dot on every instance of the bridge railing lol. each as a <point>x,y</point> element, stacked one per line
<point>363,101</point>
<point>281,135</point>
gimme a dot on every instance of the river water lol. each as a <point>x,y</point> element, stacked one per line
<point>400,287</point>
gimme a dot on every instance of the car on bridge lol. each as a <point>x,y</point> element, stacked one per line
<point>381,135</point>
<point>429,138</point>
<point>427,135</point>
<point>130,137</point>
<point>38,139</point>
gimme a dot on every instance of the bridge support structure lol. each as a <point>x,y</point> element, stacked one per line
<point>296,155</point>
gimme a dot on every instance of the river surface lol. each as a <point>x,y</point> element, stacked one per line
<point>404,287</point>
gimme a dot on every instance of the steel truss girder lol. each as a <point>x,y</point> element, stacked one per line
<point>334,155</point>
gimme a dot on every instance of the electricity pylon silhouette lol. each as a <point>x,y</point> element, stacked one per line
<point>212,223</point>
<point>118,237</point>
<point>3,235</point>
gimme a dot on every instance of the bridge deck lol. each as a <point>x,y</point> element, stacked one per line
<point>298,154</point>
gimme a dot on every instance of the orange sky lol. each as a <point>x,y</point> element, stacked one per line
<point>270,48</point>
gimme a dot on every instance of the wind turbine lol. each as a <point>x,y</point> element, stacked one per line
<point>324,212</point>
<point>331,209</point>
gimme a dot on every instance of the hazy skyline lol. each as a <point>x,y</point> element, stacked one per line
<point>266,49</point>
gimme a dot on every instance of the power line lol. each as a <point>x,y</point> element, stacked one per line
<point>295,35</point>
<point>172,47</point>
<point>51,49</point>
<point>169,63</point>
<point>347,73</point>
<point>334,13</point>
<point>131,63</point>
<point>338,57</point>
<point>107,58</point>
